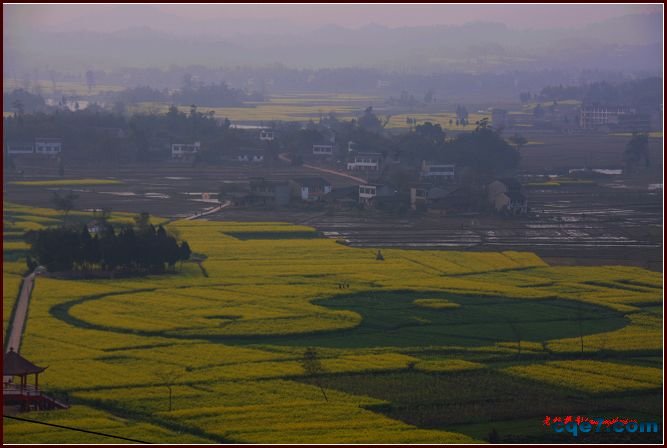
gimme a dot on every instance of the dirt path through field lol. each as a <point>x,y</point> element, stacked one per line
<point>209,211</point>
<point>20,314</point>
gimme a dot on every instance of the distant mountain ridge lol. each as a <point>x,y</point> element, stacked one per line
<point>628,43</point>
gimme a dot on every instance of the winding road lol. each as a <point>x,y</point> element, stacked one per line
<point>284,158</point>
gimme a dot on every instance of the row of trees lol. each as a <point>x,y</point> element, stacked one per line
<point>98,135</point>
<point>142,249</point>
<point>209,95</point>
<point>644,94</point>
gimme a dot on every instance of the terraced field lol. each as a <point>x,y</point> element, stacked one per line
<point>526,340</point>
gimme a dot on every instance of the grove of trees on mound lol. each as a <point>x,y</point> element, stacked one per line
<point>144,250</point>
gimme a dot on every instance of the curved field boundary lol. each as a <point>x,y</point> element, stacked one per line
<point>364,329</point>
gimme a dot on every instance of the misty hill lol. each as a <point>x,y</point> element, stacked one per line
<point>629,43</point>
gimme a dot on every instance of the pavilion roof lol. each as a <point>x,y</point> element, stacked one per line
<point>15,364</point>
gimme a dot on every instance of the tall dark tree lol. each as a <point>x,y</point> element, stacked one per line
<point>312,367</point>
<point>370,121</point>
<point>64,202</point>
<point>636,150</point>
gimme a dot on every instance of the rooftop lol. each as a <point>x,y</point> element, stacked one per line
<point>15,364</point>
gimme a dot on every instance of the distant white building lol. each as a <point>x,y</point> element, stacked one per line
<point>266,135</point>
<point>595,115</point>
<point>365,161</point>
<point>368,192</point>
<point>184,150</point>
<point>436,171</point>
<point>48,146</point>
<point>20,148</point>
<point>322,150</point>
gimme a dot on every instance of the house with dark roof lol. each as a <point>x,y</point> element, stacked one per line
<point>248,155</point>
<point>310,188</point>
<point>506,197</point>
<point>269,192</point>
<point>428,197</point>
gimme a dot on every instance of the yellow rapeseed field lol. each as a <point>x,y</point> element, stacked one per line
<point>109,343</point>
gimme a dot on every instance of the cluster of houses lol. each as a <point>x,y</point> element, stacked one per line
<point>570,118</point>
<point>39,146</point>
<point>267,192</point>
<point>436,190</point>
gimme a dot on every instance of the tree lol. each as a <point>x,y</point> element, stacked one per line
<point>184,252</point>
<point>142,221</point>
<point>30,263</point>
<point>484,150</point>
<point>18,108</point>
<point>461,113</point>
<point>637,149</point>
<point>313,367</point>
<point>90,80</point>
<point>64,202</point>
<point>518,140</point>
<point>429,96</point>
<point>430,132</point>
<point>580,326</point>
<point>370,121</point>
<point>516,330</point>
<point>493,436</point>
<point>524,97</point>
<point>168,378</point>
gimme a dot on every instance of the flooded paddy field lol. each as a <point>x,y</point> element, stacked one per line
<point>617,221</point>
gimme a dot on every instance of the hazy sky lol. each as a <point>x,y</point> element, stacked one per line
<point>316,15</point>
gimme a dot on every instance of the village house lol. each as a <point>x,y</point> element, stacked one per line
<point>252,155</point>
<point>184,151</point>
<point>439,173</point>
<point>440,199</point>
<point>592,116</point>
<point>323,150</point>
<point>95,227</point>
<point>505,196</point>
<point>343,197</point>
<point>17,148</point>
<point>269,192</point>
<point>310,188</point>
<point>369,193</point>
<point>48,146</point>
<point>267,135</point>
<point>365,161</point>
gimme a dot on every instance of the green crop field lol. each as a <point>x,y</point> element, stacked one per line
<point>423,347</point>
